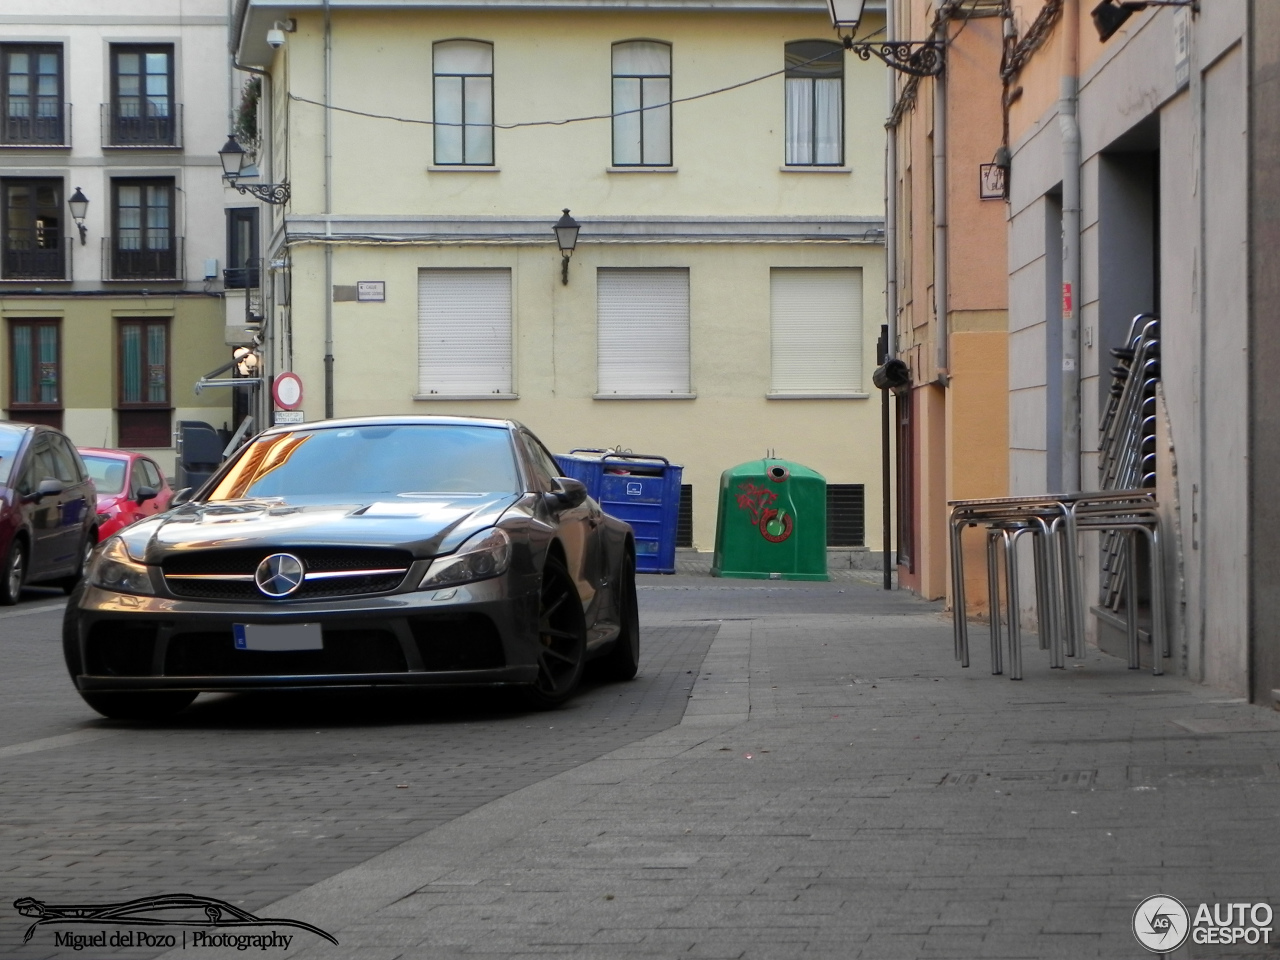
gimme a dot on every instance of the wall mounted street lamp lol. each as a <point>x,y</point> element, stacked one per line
<point>232,156</point>
<point>566,229</point>
<point>920,58</point>
<point>1110,15</point>
<point>79,205</point>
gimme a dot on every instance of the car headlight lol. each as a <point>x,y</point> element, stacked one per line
<point>485,555</point>
<point>113,569</point>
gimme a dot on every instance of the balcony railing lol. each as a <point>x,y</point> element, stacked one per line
<point>239,278</point>
<point>26,259</point>
<point>49,128</point>
<point>127,262</point>
<point>144,125</point>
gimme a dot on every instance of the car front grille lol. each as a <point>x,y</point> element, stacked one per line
<point>226,575</point>
<point>214,654</point>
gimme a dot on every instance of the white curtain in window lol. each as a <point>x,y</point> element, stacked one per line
<point>657,120</point>
<point>816,330</point>
<point>478,111</point>
<point>642,338</point>
<point>463,111</point>
<point>642,79</point>
<point>799,121</point>
<point>466,57</point>
<point>464,332</point>
<point>827,115</point>
<point>626,124</point>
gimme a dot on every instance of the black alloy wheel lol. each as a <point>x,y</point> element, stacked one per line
<point>14,573</point>
<point>562,639</point>
<point>86,551</point>
<point>140,705</point>
<point>623,660</point>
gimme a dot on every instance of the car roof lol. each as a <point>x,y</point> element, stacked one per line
<point>401,420</point>
<point>107,452</point>
<point>9,426</point>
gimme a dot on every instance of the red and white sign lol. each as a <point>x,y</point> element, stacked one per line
<point>287,391</point>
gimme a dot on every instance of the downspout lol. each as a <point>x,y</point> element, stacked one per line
<point>1068,123</point>
<point>941,297</point>
<point>890,302</point>
<point>328,208</point>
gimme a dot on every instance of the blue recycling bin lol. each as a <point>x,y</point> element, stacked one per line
<point>643,490</point>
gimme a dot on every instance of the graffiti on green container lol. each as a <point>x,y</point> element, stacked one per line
<point>774,525</point>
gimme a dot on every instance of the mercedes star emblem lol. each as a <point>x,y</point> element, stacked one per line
<point>279,575</point>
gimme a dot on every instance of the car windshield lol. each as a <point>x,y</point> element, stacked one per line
<point>10,440</point>
<point>373,461</point>
<point>107,473</point>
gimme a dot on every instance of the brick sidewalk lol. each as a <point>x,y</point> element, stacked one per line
<point>840,788</point>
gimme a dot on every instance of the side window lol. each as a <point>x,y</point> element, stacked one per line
<point>64,460</point>
<point>537,465</point>
<point>136,480</point>
<point>151,475</point>
<point>40,466</point>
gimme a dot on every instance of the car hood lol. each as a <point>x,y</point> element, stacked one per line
<point>425,526</point>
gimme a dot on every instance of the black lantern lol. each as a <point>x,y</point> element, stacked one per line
<point>79,205</point>
<point>845,14</point>
<point>233,157</point>
<point>566,229</point>
<point>920,58</point>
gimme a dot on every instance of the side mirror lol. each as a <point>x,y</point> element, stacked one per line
<point>147,493</point>
<point>570,492</point>
<point>182,496</point>
<point>48,487</point>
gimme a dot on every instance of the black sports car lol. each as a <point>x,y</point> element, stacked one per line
<point>382,551</point>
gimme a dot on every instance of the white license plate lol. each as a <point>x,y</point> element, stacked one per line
<point>285,636</point>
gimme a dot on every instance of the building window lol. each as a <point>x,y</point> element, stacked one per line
<point>815,331</point>
<point>141,112</point>
<point>846,515</point>
<point>243,263</point>
<point>143,245</point>
<point>464,333</point>
<point>642,103</point>
<point>642,338</point>
<point>463,111</point>
<point>35,371</point>
<point>33,247</point>
<point>815,103</point>
<point>32,105</point>
<point>142,407</point>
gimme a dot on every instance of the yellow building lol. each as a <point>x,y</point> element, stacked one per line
<point>112,218</point>
<point>726,292</point>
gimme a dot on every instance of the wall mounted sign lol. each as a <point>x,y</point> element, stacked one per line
<point>991,183</point>
<point>371,291</point>
<point>289,416</point>
<point>287,391</point>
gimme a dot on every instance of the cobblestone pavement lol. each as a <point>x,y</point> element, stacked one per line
<point>837,787</point>
<point>840,788</point>
<point>248,799</point>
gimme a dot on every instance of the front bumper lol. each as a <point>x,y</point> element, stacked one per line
<point>479,634</point>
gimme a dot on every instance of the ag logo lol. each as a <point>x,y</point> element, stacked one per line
<point>1161,924</point>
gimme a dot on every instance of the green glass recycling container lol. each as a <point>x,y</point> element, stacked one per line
<point>772,522</point>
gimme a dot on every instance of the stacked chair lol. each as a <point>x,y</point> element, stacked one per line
<point>1122,511</point>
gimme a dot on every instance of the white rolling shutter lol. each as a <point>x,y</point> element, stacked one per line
<point>464,332</point>
<point>816,324</point>
<point>642,337</point>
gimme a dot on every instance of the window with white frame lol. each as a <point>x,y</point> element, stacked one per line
<point>463,106</point>
<point>642,331</point>
<point>815,330</point>
<point>815,103</point>
<point>464,332</point>
<point>642,103</point>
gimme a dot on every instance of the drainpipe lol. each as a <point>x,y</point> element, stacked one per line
<point>328,208</point>
<point>1070,128</point>
<point>890,303</point>
<point>941,297</point>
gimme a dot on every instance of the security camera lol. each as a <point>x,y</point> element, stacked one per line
<point>275,37</point>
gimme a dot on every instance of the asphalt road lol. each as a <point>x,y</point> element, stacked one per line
<point>248,798</point>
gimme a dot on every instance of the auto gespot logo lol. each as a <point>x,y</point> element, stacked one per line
<point>1162,924</point>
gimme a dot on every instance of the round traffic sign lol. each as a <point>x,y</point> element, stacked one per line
<point>287,391</point>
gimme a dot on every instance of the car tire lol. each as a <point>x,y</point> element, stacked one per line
<point>139,706</point>
<point>68,584</point>
<point>623,659</point>
<point>14,573</point>
<point>561,637</point>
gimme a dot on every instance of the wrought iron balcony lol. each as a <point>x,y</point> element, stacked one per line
<point>50,128</point>
<point>146,125</point>
<point>126,259</point>
<point>25,259</point>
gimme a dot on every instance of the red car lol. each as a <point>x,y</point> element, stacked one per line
<point>130,488</point>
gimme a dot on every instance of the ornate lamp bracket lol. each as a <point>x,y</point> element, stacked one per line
<point>920,58</point>
<point>266,192</point>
